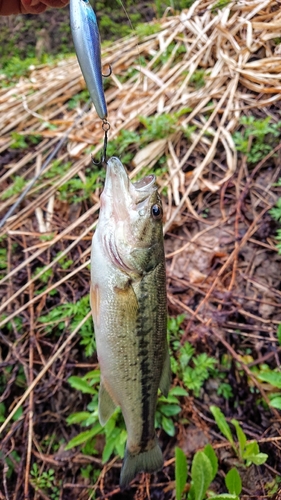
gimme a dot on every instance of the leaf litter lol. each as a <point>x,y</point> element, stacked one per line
<point>206,67</point>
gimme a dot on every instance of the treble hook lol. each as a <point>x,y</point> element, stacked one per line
<point>106,128</point>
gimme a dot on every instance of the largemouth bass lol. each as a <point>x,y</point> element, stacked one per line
<point>128,299</point>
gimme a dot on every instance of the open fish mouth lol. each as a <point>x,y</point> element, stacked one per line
<point>117,180</point>
<point>145,183</point>
<point>120,192</point>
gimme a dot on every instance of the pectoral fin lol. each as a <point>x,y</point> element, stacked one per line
<point>165,380</point>
<point>95,304</point>
<point>106,404</point>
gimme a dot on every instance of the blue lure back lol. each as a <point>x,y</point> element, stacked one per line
<point>86,39</point>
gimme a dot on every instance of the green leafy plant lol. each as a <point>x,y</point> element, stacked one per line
<point>180,472</point>
<point>165,56</point>
<point>225,390</point>
<point>15,188</point>
<point>19,141</point>
<point>45,276</point>
<point>3,260</point>
<point>158,126</point>
<point>233,482</point>
<point>248,452</point>
<point>11,460</point>
<point>64,262</point>
<point>14,324</point>
<point>272,377</point>
<point>2,412</point>
<point>279,334</point>
<point>16,66</point>
<point>125,145</point>
<point>275,212</point>
<point>17,374</point>
<point>56,169</point>
<point>22,141</point>
<point>57,318</point>
<point>272,486</point>
<point>174,4</point>
<point>52,442</point>
<point>167,408</point>
<point>193,369</point>
<point>204,469</point>
<point>194,375</point>
<point>45,481</point>
<point>78,99</point>
<point>220,5</point>
<point>128,142</point>
<point>114,430</point>
<point>144,30</point>
<point>75,190</point>
<point>257,137</point>
<point>198,78</point>
<point>174,326</point>
<point>89,472</point>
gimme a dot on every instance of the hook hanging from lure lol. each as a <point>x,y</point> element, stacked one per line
<point>86,39</point>
<point>105,128</point>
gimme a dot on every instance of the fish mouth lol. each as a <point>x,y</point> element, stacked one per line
<point>116,180</point>
<point>145,183</point>
<point>122,193</point>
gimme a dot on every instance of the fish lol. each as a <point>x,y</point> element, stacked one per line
<point>86,39</point>
<point>128,301</point>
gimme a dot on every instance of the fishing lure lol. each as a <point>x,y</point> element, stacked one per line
<point>86,39</point>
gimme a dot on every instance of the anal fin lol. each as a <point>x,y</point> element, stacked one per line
<point>106,404</point>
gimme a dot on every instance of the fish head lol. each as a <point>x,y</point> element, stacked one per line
<point>131,217</point>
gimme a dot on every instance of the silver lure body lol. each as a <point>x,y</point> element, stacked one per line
<point>128,299</point>
<point>86,39</point>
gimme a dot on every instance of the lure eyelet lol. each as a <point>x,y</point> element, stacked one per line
<point>109,72</point>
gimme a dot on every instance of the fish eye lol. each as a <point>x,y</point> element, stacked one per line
<point>156,212</point>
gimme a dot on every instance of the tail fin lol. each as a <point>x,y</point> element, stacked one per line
<point>146,461</point>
